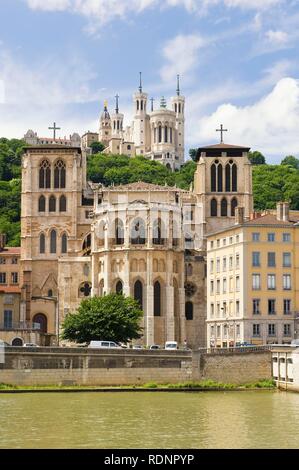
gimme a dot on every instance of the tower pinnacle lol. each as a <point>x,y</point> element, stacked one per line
<point>140,82</point>
<point>178,85</point>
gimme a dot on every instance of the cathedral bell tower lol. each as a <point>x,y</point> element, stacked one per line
<point>178,106</point>
<point>223,182</point>
<point>105,128</point>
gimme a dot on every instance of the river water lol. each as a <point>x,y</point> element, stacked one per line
<point>253,419</point>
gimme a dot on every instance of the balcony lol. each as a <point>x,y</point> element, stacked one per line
<point>23,326</point>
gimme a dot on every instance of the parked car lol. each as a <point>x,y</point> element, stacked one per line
<point>155,346</point>
<point>104,345</point>
<point>137,346</point>
<point>245,344</point>
<point>171,345</point>
<point>30,345</point>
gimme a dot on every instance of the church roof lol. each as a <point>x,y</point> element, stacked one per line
<point>142,186</point>
<point>216,150</point>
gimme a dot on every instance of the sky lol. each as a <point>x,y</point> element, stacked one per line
<point>238,62</point>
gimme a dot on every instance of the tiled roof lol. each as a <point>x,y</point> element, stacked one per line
<point>271,219</point>
<point>223,147</point>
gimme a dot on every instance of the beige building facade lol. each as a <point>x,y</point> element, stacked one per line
<point>252,285</point>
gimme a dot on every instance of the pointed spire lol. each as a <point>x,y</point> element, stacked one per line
<point>178,85</point>
<point>116,103</point>
<point>140,82</point>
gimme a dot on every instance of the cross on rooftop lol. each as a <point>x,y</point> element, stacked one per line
<point>221,130</point>
<point>54,128</point>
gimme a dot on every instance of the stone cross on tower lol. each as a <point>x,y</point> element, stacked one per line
<point>221,130</point>
<point>54,128</point>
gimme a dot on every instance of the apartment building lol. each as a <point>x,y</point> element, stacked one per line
<point>252,280</point>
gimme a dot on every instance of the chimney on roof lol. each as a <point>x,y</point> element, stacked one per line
<point>283,211</point>
<point>2,241</point>
<point>239,215</point>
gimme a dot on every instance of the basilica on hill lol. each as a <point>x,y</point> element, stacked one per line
<point>80,239</point>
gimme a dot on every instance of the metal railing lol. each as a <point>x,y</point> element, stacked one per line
<point>22,325</point>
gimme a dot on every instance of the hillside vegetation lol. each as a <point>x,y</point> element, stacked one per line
<point>271,183</point>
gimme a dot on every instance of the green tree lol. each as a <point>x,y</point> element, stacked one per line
<point>112,317</point>
<point>257,158</point>
<point>192,154</point>
<point>97,147</point>
<point>291,161</point>
<point>274,183</point>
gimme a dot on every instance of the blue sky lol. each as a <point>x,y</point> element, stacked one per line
<point>238,61</point>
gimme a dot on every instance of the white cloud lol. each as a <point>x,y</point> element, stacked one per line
<point>181,54</point>
<point>100,12</point>
<point>270,125</point>
<point>277,37</point>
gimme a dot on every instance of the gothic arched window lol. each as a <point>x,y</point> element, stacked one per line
<point>233,206</point>
<point>157,232</point>
<point>219,178</point>
<point>227,178</point>
<point>138,293</point>
<point>216,177</point>
<point>138,232</point>
<point>62,204</point>
<point>119,287</point>
<point>157,299</point>
<point>231,182</point>
<point>42,204</point>
<point>119,232</point>
<point>213,178</point>
<point>45,175</point>
<point>59,174</point>
<point>224,207</point>
<point>64,243</point>
<point>189,310</point>
<point>42,243</point>
<point>53,241</point>
<point>165,134</point>
<point>214,208</point>
<point>159,134</point>
<point>137,105</point>
<point>52,204</point>
<point>234,178</point>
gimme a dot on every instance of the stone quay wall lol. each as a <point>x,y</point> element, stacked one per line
<point>81,366</point>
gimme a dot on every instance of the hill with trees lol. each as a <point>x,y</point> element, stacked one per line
<point>271,183</point>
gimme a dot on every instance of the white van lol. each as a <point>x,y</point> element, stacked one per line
<point>171,345</point>
<point>103,345</point>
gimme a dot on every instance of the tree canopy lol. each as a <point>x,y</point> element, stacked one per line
<point>112,317</point>
<point>271,183</point>
<point>291,161</point>
<point>256,158</point>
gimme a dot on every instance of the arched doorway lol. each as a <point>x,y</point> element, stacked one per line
<point>17,342</point>
<point>119,287</point>
<point>42,320</point>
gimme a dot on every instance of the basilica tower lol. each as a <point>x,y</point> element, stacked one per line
<point>141,126</point>
<point>178,106</point>
<point>105,128</point>
<point>117,120</point>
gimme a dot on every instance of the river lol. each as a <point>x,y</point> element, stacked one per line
<point>253,419</point>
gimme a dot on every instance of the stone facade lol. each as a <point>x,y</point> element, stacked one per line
<point>77,366</point>
<point>80,239</point>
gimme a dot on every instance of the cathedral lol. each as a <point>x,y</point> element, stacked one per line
<point>157,135</point>
<point>80,239</point>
